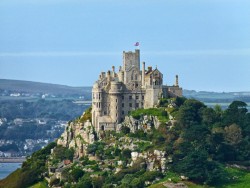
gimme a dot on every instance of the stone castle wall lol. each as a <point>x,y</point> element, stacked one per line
<point>116,94</point>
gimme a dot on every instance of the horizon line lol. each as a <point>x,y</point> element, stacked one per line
<point>212,52</point>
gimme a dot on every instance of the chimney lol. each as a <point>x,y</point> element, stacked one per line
<point>143,74</point>
<point>149,69</point>
<point>113,71</point>
<point>176,80</point>
<point>108,76</point>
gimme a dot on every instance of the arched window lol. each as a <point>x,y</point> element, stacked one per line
<point>102,127</point>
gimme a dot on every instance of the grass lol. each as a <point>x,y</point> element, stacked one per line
<point>170,175</point>
<point>159,112</point>
<point>238,179</point>
<point>241,178</point>
<point>40,185</point>
<point>11,180</point>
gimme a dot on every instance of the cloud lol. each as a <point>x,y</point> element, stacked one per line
<point>216,52</point>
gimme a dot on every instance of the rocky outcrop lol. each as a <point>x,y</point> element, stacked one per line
<point>155,160</point>
<point>77,135</point>
<point>144,123</point>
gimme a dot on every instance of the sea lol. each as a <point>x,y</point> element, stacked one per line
<point>7,168</point>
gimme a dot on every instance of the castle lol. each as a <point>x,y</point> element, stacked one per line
<point>114,95</point>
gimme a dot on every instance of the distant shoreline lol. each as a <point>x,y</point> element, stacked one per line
<point>12,159</point>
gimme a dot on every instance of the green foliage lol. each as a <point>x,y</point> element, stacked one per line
<point>96,148</point>
<point>151,175</point>
<point>31,170</point>
<point>197,167</point>
<point>87,115</point>
<point>125,130</point>
<point>126,154</point>
<point>189,112</point>
<point>63,153</point>
<point>76,174</point>
<point>163,102</point>
<point>159,112</point>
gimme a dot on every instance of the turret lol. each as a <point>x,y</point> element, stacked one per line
<point>113,71</point>
<point>176,80</point>
<point>108,76</point>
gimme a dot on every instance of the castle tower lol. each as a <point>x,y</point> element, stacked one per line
<point>115,101</point>
<point>131,61</point>
<point>96,104</point>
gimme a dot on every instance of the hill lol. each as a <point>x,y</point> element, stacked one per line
<point>181,141</point>
<point>37,87</point>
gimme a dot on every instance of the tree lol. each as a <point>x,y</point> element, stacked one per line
<point>189,112</point>
<point>233,134</point>
<point>208,116</point>
<point>198,168</point>
<point>125,130</point>
<point>76,174</point>
<point>137,183</point>
<point>235,113</point>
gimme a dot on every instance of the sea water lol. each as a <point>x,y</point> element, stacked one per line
<point>7,168</point>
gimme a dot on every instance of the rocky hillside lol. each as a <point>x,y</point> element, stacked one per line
<point>180,143</point>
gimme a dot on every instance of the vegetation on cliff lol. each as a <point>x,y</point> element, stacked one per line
<point>193,142</point>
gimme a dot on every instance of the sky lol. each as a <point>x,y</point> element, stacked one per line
<point>69,42</point>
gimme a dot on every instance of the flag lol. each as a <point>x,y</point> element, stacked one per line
<point>137,44</point>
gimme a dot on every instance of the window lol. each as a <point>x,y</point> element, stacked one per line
<point>130,97</point>
<point>102,127</point>
<point>137,105</point>
<point>137,97</point>
<point>122,112</point>
<point>122,104</point>
<point>130,104</point>
<point>142,97</point>
<point>122,97</point>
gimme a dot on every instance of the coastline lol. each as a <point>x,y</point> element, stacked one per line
<point>12,159</point>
